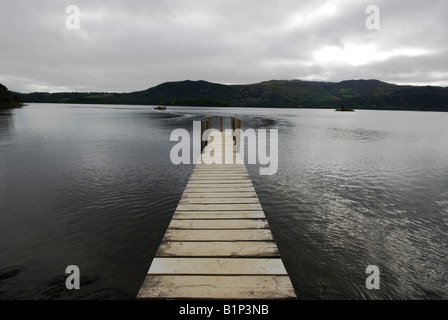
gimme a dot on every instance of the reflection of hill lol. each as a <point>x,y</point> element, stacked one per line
<point>356,94</point>
<point>8,99</point>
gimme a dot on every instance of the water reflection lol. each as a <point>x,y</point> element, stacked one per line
<point>6,125</point>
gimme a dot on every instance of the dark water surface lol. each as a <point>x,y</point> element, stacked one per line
<point>94,186</point>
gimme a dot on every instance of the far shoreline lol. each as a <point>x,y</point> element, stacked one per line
<point>332,108</point>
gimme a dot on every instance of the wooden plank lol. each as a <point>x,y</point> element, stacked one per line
<point>218,155</point>
<point>216,175</point>
<point>219,185</point>
<point>206,201</point>
<point>218,266</point>
<point>220,167</point>
<point>219,212</point>
<point>220,171</point>
<point>219,207</point>
<point>207,168</point>
<point>218,161</point>
<point>230,180</point>
<point>219,177</point>
<point>219,224</point>
<point>222,235</point>
<point>214,180</point>
<point>218,249</point>
<point>220,181</point>
<point>220,195</point>
<point>219,189</point>
<point>205,173</point>
<point>232,165</point>
<point>216,215</point>
<point>216,287</point>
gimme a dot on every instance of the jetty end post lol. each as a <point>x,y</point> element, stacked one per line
<point>203,128</point>
<point>238,134</point>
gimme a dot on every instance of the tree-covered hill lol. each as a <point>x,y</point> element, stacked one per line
<point>356,94</point>
<point>8,99</point>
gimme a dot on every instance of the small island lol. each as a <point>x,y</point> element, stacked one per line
<point>344,108</point>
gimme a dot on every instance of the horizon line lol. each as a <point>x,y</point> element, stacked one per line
<point>238,84</point>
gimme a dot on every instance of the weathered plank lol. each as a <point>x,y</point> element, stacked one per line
<point>219,185</point>
<point>189,189</point>
<point>218,266</point>
<point>208,169</point>
<point>221,166</point>
<point>216,287</point>
<point>214,207</point>
<point>219,181</point>
<point>219,224</point>
<point>220,178</point>
<point>218,249</point>
<point>216,215</point>
<point>218,172</point>
<point>213,200</point>
<point>219,169</point>
<point>222,235</point>
<point>219,195</point>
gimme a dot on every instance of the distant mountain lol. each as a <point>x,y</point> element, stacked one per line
<point>355,94</point>
<point>8,99</point>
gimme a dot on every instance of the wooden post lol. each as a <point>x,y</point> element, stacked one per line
<point>203,128</point>
<point>205,125</point>
<point>238,135</point>
<point>209,122</point>
<point>220,124</point>
<point>233,123</point>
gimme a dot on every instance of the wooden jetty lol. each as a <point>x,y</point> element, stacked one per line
<point>218,244</point>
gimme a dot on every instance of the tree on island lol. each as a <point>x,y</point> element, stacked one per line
<point>344,108</point>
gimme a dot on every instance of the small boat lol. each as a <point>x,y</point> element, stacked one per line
<point>344,108</point>
<point>160,108</point>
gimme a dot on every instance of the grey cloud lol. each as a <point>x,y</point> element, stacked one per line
<point>132,45</point>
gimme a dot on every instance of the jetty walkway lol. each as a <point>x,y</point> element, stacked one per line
<point>218,244</point>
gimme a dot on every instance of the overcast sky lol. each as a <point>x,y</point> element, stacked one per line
<point>125,46</point>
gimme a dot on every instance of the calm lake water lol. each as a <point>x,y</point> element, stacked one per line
<point>94,186</point>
